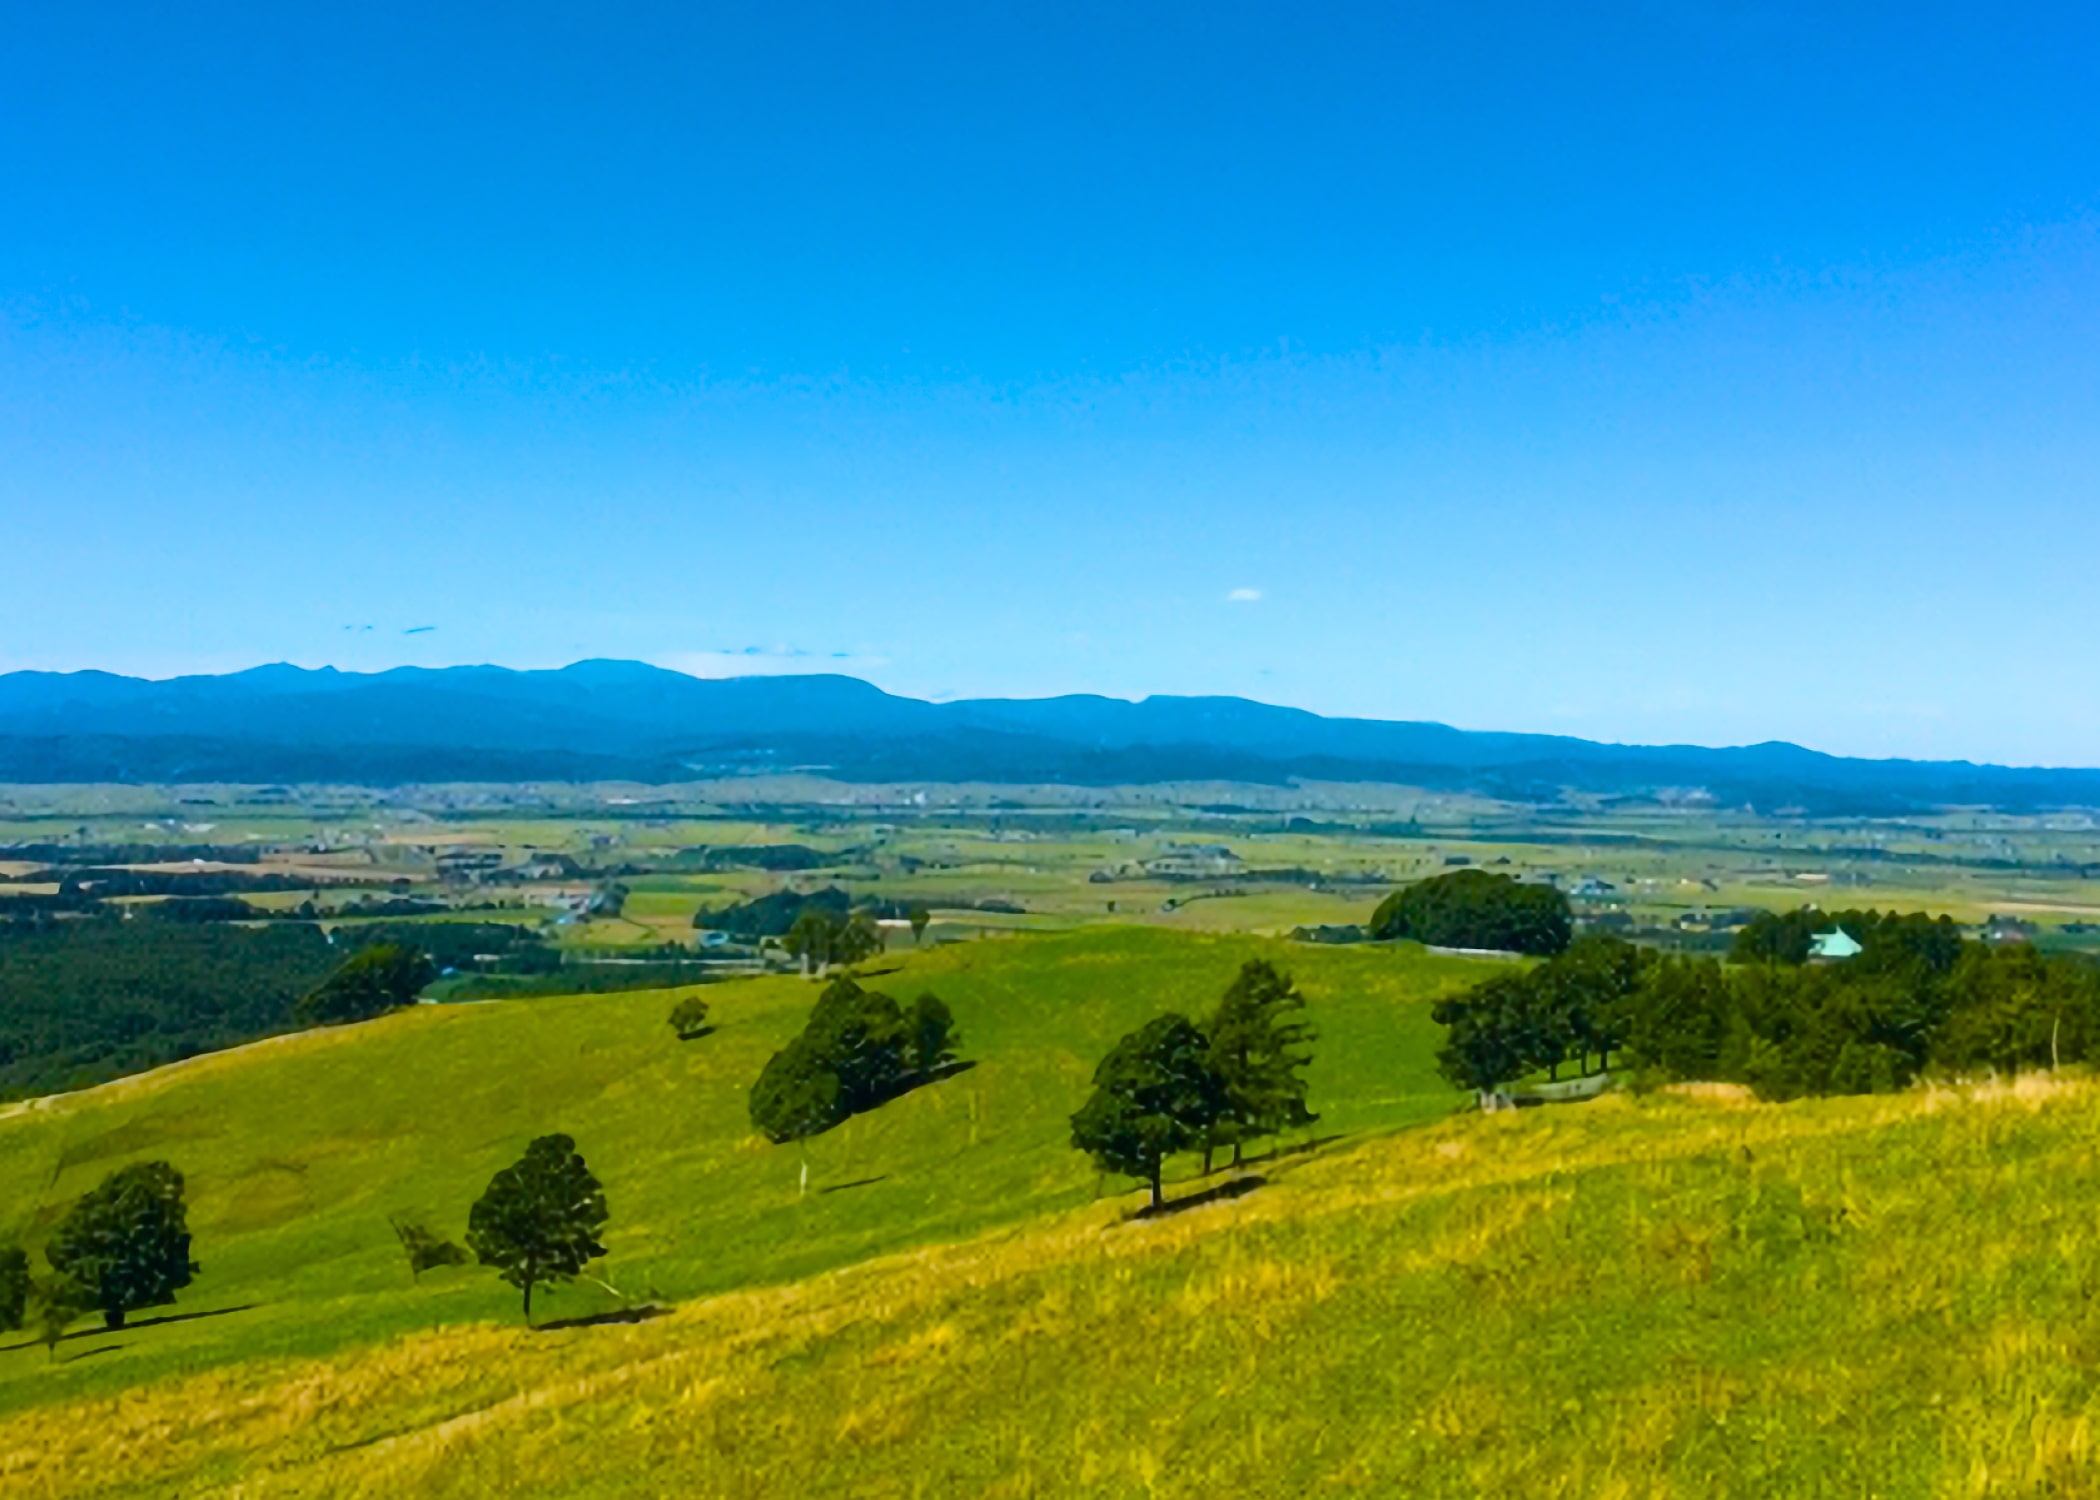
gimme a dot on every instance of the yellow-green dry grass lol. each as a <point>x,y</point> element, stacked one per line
<point>1675,1296</point>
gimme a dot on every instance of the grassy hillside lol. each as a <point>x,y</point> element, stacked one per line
<point>298,1149</point>
<point>1665,1297</point>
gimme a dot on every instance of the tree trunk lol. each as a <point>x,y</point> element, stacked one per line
<point>112,1318</point>
<point>532,1268</point>
<point>1207,1150</point>
<point>1237,1155</point>
<point>1156,1198</point>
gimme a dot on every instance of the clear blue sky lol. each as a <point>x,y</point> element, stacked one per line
<point>1699,372</point>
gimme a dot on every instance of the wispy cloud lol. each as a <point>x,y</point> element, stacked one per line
<point>419,630</point>
<point>766,661</point>
<point>1243,596</point>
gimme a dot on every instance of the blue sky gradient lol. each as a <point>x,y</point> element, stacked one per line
<point>1703,372</point>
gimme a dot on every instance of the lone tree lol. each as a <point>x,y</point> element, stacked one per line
<point>14,1288</point>
<point>126,1245</point>
<point>689,1018</point>
<point>425,1248</point>
<point>918,916</point>
<point>538,1222</point>
<point>1477,909</point>
<point>1258,1049</point>
<point>378,979</point>
<point>1155,1094</point>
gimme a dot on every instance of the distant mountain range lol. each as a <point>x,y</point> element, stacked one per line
<point>619,720</point>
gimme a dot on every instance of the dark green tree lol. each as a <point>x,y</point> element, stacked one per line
<point>1477,909</point>
<point>1583,998</point>
<point>1155,1094</point>
<point>930,1027</point>
<point>689,1018</point>
<point>371,982</point>
<point>1260,1049</point>
<point>858,941</point>
<point>425,1248</point>
<point>14,1288</point>
<point>797,1095</point>
<point>1487,1041</point>
<point>813,940</point>
<point>539,1221</point>
<point>918,916</point>
<point>55,1304</point>
<point>126,1244</point>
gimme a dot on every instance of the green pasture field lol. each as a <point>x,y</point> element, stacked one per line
<point>298,1149</point>
<point>1671,1296</point>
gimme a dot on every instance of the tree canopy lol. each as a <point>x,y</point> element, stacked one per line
<point>126,1244</point>
<point>369,983</point>
<point>1259,1049</point>
<point>1477,909</point>
<point>539,1220</point>
<point>859,1049</point>
<point>1156,1094</point>
<point>1917,1000</point>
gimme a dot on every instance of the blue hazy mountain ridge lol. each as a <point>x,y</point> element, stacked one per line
<point>627,720</point>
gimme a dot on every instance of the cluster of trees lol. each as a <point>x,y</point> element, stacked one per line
<point>820,939</point>
<point>122,1247</point>
<point>1918,1000</point>
<point>1887,938</point>
<point>814,924</point>
<point>774,914</point>
<point>859,1050</point>
<point>1477,909</point>
<point>1173,1086</point>
<point>1570,1009</point>
<point>92,999</point>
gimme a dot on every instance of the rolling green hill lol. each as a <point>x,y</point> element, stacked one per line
<point>299,1149</point>
<point>1679,1296</point>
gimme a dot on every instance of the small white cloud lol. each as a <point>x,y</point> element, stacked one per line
<point>1243,596</point>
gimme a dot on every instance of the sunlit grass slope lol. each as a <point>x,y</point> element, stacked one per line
<point>298,1150</point>
<point>1662,1297</point>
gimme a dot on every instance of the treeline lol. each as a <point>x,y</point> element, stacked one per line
<point>90,999</point>
<point>1919,1000</point>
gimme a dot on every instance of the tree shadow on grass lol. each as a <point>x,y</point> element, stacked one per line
<point>697,1033</point>
<point>640,1314</point>
<point>1301,1148</point>
<point>840,1187</point>
<point>1237,1187</point>
<point>132,1326</point>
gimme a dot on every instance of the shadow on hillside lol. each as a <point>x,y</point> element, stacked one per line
<point>1302,1148</point>
<point>640,1314</point>
<point>696,1034</point>
<point>840,1187</point>
<point>1238,1187</point>
<point>97,1332</point>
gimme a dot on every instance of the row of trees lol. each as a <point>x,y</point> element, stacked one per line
<point>1918,1000</point>
<point>1172,1086</point>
